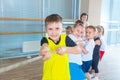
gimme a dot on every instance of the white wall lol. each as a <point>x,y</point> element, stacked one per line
<point>84,6</point>
<point>95,11</point>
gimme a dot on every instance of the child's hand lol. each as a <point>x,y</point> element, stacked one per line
<point>44,52</point>
<point>61,50</point>
<point>46,56</point>
<point>97,42</point>
<point>80,43</point>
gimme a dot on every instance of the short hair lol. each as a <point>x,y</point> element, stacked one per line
<point>68,27</point>
<point>78,22</point>
<point>53,18</point>
<point>91,27</point>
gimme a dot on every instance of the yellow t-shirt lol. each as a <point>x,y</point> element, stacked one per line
<point>57,67</point>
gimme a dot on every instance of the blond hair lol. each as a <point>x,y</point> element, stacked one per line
<point>100,29</point>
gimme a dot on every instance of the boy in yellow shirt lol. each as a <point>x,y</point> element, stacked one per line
<point>54,49</point>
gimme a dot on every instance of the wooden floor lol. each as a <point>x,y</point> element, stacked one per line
<point>31,71</point>
<point>7,62</point>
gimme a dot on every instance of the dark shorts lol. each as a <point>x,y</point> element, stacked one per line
<point>86,66</point>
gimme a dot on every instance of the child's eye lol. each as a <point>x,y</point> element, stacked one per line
<point>50,29</point>
<point>57,28</point>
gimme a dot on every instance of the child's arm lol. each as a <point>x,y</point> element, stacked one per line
<point>80,43</point>
<point>84,50</point>
<point>74,50</point>
<point>44,51</point>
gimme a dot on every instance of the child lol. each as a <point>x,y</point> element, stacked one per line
<point>54,49</point>
<point>102,48</point>
<point>75,59</point>
<point>88,50</point>
<point>96,53</point>
<point>68,30</point>
<point>84,19</point>
<point>81,22</point>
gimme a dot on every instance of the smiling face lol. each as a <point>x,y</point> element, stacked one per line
<point>53,25</point>
<point>78,31</point>
<point>54,30</point>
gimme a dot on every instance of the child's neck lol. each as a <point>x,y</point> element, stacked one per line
<point>55,41</point>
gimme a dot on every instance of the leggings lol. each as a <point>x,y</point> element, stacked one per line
<point>95,64</point>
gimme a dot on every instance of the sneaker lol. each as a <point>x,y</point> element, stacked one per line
<point>95,78</point>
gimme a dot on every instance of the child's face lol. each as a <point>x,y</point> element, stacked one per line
<point>54,30</point>
<point>68,31</point>
<point>78,31</point>
<point>90,33</point>
<point>84,18</point>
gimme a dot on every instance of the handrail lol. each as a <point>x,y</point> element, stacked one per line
<point>11,33</point>
<point>29,19</point>
<point>69,20</point>
<point>32,19</point>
